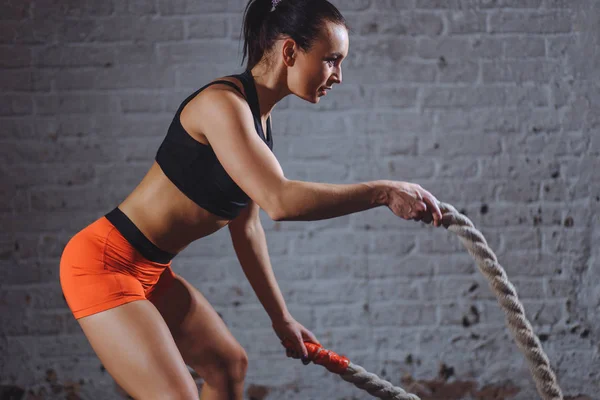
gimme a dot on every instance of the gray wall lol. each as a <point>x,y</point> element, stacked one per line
<point>490,104</point>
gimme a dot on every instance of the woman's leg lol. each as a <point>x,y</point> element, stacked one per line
<point>203,340</point>
<point>135,346</point>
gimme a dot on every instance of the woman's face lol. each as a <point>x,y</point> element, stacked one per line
<point>321,66</point>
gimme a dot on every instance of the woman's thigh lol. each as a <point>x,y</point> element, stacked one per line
<point>204,340</point>
<point>135,346</point>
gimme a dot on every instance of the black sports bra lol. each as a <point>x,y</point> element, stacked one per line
<point>193,166</point>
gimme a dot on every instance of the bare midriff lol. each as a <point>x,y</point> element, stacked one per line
<point>166,216</point>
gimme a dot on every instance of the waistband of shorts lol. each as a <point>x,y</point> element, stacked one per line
<point>136,238</point>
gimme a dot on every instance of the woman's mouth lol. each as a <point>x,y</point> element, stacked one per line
<point>324,90</point>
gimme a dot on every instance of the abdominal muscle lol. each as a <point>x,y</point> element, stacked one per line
<point>167,217</point>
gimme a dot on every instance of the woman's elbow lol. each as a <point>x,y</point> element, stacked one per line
<point>277,214</point>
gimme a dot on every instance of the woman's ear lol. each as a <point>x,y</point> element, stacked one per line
<point>289,52</point>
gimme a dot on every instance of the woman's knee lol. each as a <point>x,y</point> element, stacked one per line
<point>181,391</point>
<point>220,370</point>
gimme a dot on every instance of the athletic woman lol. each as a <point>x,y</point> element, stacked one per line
<point>214,169</point>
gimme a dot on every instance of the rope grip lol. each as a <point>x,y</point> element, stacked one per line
<point>332,361</point>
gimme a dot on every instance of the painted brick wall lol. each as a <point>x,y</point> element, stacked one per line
<point>490,104</point>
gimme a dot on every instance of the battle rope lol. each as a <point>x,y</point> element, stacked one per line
<point>505,292</point>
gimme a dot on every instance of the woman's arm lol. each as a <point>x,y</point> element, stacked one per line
<point>225,119</point>
<point>250,244</point>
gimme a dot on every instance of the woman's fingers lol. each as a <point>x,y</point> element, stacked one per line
<point>433,208</point>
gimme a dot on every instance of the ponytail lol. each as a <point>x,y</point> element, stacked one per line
<point>267,20</point>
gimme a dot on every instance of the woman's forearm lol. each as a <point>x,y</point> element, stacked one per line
<point>309,201</point>
<point>250,246</point>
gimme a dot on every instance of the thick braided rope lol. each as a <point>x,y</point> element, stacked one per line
<point>374,385</point>
<point>353,373</point>
<point>505,292</point>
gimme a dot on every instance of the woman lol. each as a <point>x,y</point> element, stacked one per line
<point>215,168</point>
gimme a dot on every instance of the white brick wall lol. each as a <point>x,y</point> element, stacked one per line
<point>490,104</point>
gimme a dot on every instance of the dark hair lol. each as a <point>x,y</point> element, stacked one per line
<point>301,20</point>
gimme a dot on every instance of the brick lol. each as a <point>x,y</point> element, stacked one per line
<point>187,7</point>
<point>524,47</point>
<point>319,242</point>
<point>141,103</point>
<point>192,77</point>
<point>32,323</point>
<point>202,27</point>
<point>461,145</point>
<point>138,76</point>
<point>522,240</point>
<point>462,166</point>
<point>400,167</point>
<point>15,57</point>
<point>354,5</point>
<point>404,315</point>
<point>380,49</point>
<point>380,218</point>
<point>15,104</point>
<point>74,56</point>
<point>484,4</point>
<point>558,4</point>
<point>559,46</point>
<point>483,96</point>
<point>325,293</point>
<point>135,54</point>
<point>390,96</point>
<point>406,23</point>
<point>346,97</point>
<point>456,288</point>
<point>508,166</point>
<point>393,144</point>
<point>458,72</point>
<point>526,190</point>
<point>347,316</point>
<point>214,51</point>
<point>19,247</point>
<point>340,266</point>
<point>291,269</point>
<point>387,121</point>
<point>64,346</point>
<point>566,240</point>
<point>461,22</point>
<point>533,144</point>
<point>15,11</point>
<point>544,312</point>
<point>23,272</point>
<point>460,192</point>
<point>16,81</point>
<point>500,215</point>
<point>410,72</point>
<point>454,264</point>
<point>393,289</point>
<point>530,22</point>
<point>392,5</point>
<point>387,266</point>
<point>16,127</point>
<point>139,7</point>
<point>538,71</point>
<point>458,314</point>
<point>393,244</point>
<point>477,121</point>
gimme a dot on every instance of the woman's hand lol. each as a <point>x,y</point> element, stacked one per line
<point>290,329</point>
<point>410,201</point>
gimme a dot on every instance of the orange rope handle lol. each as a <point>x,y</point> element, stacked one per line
<point>321,356</point>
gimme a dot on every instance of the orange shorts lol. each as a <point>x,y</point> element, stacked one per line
<point>101,269</point>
